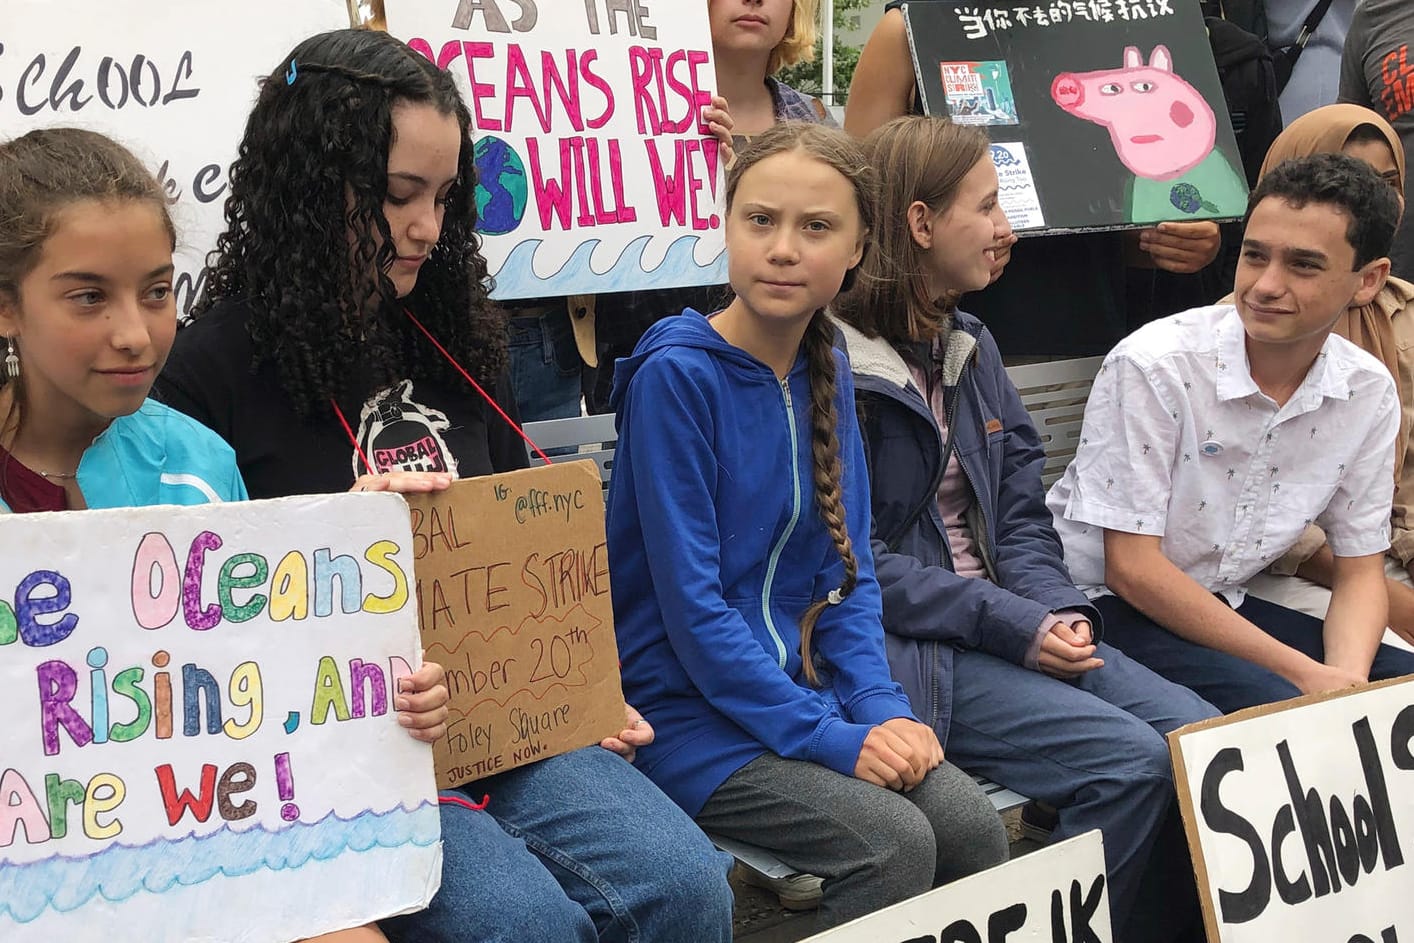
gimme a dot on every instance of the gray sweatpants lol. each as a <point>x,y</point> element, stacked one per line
<point>873,847</point>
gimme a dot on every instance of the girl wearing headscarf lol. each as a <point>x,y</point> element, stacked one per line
<point>1384,328</point>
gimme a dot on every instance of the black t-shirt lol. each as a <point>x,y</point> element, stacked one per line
<point>416,425</point>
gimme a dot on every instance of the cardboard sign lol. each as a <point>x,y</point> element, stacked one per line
<point>513,596</point>
<point>203,741</point>
<point>595,172</point>
<point>172,80</point>
<point>1300,815</point>
<point>1103,114</point>
<point>1062,886</point>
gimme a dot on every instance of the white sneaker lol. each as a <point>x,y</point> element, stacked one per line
<point>795,891</point>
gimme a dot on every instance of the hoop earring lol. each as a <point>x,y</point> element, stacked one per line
<point>12,359</point>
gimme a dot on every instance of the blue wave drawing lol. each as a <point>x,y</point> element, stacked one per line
<point>118,872</point>
<point>517,279</point>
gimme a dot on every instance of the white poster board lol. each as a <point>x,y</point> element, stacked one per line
<point>173,80</point>
<point>1062,885</point>
<point>595,172</point>
<point>1300,816</point>
<point>202,743</point>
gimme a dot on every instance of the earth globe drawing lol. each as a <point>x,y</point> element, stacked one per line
<point>500,186</point>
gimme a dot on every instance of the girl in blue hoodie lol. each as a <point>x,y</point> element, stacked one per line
<point>747,611</point>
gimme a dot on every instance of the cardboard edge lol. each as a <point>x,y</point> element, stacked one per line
<point>594,505</point>
<point>1190,830</point>
<point>1185,794</point>
<point>918,82</point>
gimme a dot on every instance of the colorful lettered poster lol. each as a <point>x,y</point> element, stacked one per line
<point>1116,103</point>
<point>1300,816</point>
<point>978,92</point>
<point>172,80</point>
<point>513,593</point>
<point>202,740</point>
<point>595,172</point>
<point>1049,896</point>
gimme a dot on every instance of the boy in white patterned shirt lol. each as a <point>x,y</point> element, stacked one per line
<point>1213,437</point>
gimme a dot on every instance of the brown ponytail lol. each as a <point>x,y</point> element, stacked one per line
<point>825,453</point>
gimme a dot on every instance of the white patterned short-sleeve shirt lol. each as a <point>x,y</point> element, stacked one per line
<point>1178,442</point>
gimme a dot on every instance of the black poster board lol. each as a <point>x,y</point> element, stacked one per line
<point>1063,87</point>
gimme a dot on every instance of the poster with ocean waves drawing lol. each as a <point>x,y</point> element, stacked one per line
<point>595,172</point>
<point>203,740</point>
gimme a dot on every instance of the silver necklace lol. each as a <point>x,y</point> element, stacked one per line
<point>58,476</point>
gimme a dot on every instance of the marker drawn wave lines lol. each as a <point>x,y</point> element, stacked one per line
<point>66,883</point>
<point>517,275</point>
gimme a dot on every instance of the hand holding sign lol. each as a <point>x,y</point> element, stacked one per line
<point>195,733</point>
<point>513,598</point>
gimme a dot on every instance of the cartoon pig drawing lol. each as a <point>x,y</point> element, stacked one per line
<point>1163,131</point>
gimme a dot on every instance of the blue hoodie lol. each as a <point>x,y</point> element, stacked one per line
<point>716,548</point>
<point>156,455</point>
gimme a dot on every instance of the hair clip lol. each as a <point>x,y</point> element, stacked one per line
<point>293,74</point>
<point>835,597</point>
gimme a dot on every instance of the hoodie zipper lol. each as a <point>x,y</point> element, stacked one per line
<point>790,527</point>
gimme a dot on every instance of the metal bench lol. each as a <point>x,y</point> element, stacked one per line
<point>590,436</point>
<point>1054,394</point>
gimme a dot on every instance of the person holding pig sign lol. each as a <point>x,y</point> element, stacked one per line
<point>345,312</point>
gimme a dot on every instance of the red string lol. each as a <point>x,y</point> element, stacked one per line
<point>477,386</point>
<point>348,431</point>
<point>465,803</point>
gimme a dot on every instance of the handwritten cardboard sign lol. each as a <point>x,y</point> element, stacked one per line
<point>513,596</point>
<point>1049,896</point>
<point>202,740</point>
<point>170,79</point>
<point>1300,816</point>
<point>595,172</point>
<point>1103,114</point>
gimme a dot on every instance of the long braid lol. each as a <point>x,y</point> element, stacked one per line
<point>825,452</point>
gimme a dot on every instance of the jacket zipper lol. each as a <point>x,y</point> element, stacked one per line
<point>790,527</point>
<point>981,536</point>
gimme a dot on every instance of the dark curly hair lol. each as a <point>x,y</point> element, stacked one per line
<point>312,167</point>
<point>1345,184</point>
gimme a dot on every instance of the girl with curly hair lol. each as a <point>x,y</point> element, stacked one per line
<point>351,229</point>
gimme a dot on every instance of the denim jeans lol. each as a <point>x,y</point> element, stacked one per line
<point>545,366</point>
<point>1229,682</point>
<point>1094,748</point>
<point>579,847</point>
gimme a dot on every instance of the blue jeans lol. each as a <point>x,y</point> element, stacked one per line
<point>1227,681</point>
<point>545,366</point>
<point>579,847</point>
<point>1094,748</point>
